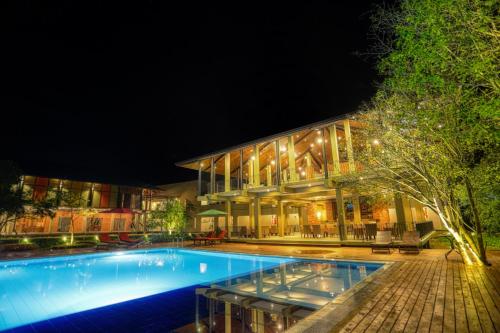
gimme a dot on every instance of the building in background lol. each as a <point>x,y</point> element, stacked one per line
<point>104,207</point>
<point>299,184</point>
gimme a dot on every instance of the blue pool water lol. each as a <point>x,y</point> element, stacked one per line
<point>36,290</point>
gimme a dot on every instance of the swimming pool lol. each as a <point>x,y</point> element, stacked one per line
<point>35,290</point>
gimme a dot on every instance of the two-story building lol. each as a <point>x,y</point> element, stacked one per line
<point>299,185</point>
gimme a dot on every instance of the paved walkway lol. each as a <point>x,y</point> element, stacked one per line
<point>419,293</point>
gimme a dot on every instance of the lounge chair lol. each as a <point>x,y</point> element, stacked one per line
<point>220,237</point>
<point>199,239</point>
<point>124,237</point>
<point>383,242</point>
<point>411,242</point>
<point>105,242</point>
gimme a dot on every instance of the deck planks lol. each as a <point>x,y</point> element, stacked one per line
<point>432,296</point>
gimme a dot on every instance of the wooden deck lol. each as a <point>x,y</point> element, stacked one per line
<point>432,296</point>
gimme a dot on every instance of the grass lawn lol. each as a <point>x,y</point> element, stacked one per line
<point>492,242</point>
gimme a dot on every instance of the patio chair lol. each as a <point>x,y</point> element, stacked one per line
<point>383,242</point>
<point>371,230</point>
<point>411,242</point>
<point>244,232</point>
<point>273,230</point>
<point>316,230</point>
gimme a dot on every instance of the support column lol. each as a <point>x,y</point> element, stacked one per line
<point>227,172</point>
<point>256,217</point>
<point>212,176</point>
<point>229,217</point>
<point>335,149</point>
<point>356,208</point>
<point>260,320</point>
<point>250,173</point>
<point>281,214</point>
<point>227,317</point>
<point>277,162</point>
<point>251,218</point>
<point>291,159</point>
<point>240,171</point>
<point>323,153</point>
<point>256,167</point>
<point>340,213</point>
<point>254,323</point>
<point>200,165</point>
<point>269,175</point>
<point>350,151</point>
<point>309,167</point>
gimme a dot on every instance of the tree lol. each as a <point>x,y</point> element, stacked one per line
<point>73,203</point>
<point>433,126</point>
<point>16,203</point>
<point>170,214</point>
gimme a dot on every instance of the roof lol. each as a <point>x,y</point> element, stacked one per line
<point>321,123</point>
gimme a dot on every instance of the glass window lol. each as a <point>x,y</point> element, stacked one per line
<point>94,224</point>
<point>64,224</point>
<point>118,224</point>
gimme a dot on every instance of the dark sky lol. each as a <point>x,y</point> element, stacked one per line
<point>116,92</point>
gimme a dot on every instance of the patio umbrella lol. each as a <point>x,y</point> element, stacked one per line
<point>212,213</point>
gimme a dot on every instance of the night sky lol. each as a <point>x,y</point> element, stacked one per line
<point>115,92</point>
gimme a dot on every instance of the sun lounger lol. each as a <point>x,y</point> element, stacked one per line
<point>219,238</point>
<point>411,242</point>
<point>124,237</point>
<point>105,242</point>
<point>199,239</point>
<point>383,242</point>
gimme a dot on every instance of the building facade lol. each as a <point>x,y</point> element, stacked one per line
<point>102,207</point>
<point>299,184</point>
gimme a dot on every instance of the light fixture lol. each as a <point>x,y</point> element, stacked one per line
<point>312,145</point>
<point>282,148</point>
<point>253,158</point>
<point>376,142</point>
<point>273,162</point>
<point>303,173</point>
<point>319,140</point>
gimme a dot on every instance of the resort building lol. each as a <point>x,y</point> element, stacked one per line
<point>300,184</point>
<point>100,208</point>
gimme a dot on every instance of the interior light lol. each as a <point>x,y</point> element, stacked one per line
<point>273,162</point>
<point>253,158</point>
<point>376,142</point>
<point>319,140</point>
<point>303,173</point>
<point>312,145</point>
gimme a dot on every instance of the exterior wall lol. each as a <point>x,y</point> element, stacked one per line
<point>50,225</point>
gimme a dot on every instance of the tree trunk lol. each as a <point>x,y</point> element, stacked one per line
<point>477,222</point>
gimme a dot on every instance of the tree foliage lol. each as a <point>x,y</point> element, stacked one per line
<point>170,214</point>
<point>433,125</point>
<point>16,203</point>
